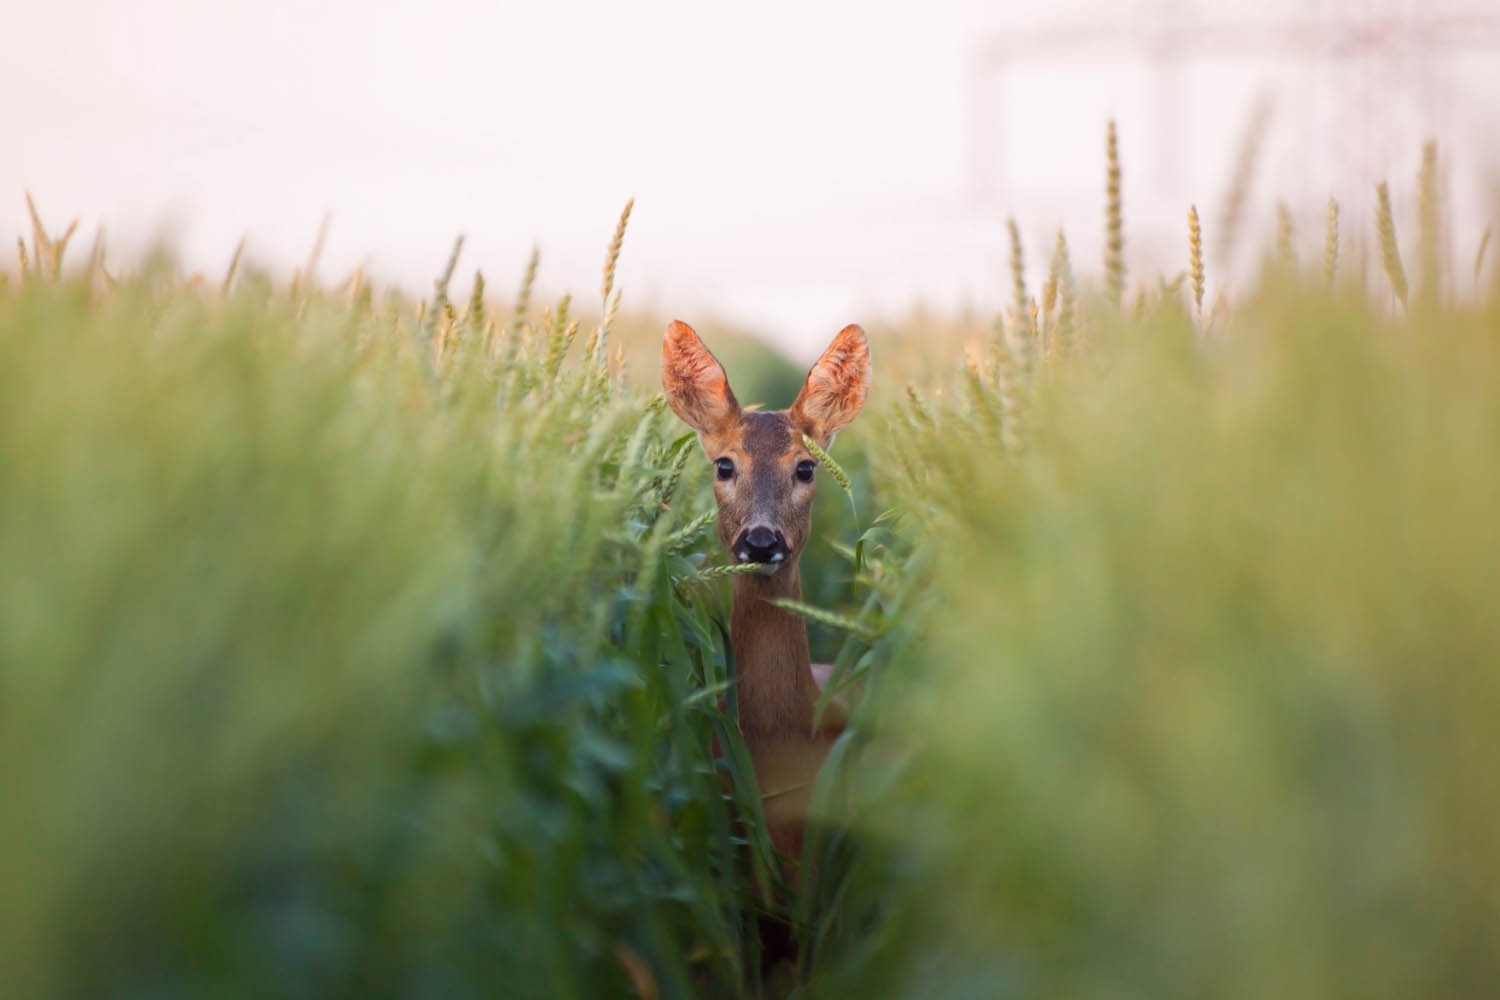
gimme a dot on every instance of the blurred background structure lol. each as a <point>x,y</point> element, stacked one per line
<point>796,167</point>
<point>1343,89</point>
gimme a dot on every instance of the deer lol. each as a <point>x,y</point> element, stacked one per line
<point>764,485</point>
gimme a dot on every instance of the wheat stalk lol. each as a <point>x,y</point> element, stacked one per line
<point>1114,243</point>
<point>834,469</point>
<point>612,256</point>
<point>1033,315</point>
<point>1385,226</point>
<point>234,264</point>
<point>599,344</point>
<point>980,402</point>
<point>475,316</point>
<point>918,404</point>
<point>689,532</point>
<point>635,448</point>
<point>522,307</point>
<point>1195,259</point>
<point>1331,245</point>
<point>1429,224</point>
<point>1232,207</point>
<point>48,252</point>
<point>824,617</point>
<point>734,569</point>
<point>439,297</point>
<point>96,257</point>
<point>1067,299</point>
<point>60,245</point>
<point>1484,244</point>
<point>674,473</point>
<point>39,242</point>
<point>1048,321</point>
<point>1017,265</point>
<point>1286,253</point>
<point>314,255</point>
<point>1008,375</point>
<point>447,338</point>
<point>1025,332</point>
<point>351,282</point>
<point>560,337</point>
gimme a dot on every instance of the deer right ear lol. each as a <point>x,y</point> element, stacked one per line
<point>836,387</point>
<point>694,382</point>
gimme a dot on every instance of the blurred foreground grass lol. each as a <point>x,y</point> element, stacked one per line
<point>349,648</point>
<point>1210,669</point>
<point>344,650</point>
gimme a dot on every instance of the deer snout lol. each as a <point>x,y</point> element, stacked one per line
<point>761,545</point>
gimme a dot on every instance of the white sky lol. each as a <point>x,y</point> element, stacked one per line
<point>796,165</point>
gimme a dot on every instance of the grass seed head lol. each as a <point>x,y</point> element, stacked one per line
<point>1331,245</point>
<point>1390,251</point>
<point>1429,225</point>
<point>1195,258</point>
<point>1114,219</point>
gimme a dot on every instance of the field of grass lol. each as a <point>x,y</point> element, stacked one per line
<point>357,646</point>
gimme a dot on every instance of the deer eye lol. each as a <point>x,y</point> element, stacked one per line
<point>725,467</point>
<point>805,471</point>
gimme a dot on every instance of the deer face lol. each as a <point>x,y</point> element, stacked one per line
<point>763,473</point>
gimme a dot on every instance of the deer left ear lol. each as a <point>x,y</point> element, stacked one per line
<point>836,387</point>
<point>694,382</point>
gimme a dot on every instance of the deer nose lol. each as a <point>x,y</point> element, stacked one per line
<point>761,545</point>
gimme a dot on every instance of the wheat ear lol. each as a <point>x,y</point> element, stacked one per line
<point>734,569</point>
<point>1331,245</point>
<point>234,266</point>
<point>522,308</point>
<point>834,469</point>
<point>1385,226</point>
<point>1429,224</point>
<point>1195,258</point>
<point>1114,215</point>
<point>1484,244</point>
<point>612,256</point>
<point>1286,236</point>
<point>1067,298</point>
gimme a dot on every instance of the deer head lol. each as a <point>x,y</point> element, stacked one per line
<point>763,472</point>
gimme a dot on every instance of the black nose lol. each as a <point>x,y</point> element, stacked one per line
<point>761,545</point>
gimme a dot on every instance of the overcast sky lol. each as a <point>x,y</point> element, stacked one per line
<point>796,165</point>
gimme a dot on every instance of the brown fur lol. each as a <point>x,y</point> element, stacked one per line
<point>778,687</point>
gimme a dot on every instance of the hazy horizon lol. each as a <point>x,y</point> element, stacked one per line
<point>795,168</point>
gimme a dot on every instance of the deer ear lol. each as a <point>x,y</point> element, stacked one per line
<point>836,387</point>
<point>694,382</point>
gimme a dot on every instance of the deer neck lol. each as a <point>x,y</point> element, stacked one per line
<point>777,693</point>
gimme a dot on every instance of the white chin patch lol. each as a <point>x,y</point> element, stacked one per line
<point>766,569</point>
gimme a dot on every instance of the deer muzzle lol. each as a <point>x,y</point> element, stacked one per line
<point>762,544</point>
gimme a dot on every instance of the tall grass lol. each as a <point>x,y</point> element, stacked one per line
<point>356,646</point>
<point>1194,697</point>
<point>340,656</point>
